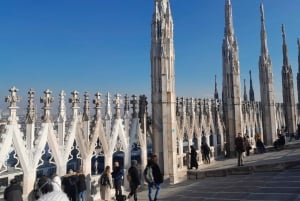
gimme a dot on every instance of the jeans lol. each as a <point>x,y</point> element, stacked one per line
<point>150,187</point>
<point>81,196</point>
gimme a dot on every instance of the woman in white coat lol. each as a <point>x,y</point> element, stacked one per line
<point>105,182</point>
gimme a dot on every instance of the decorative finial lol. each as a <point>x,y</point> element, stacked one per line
<point>97,101</point>
<point>47,100</point>
<point>134,103</point>
<point>13,99</point>
<point>117,101</point>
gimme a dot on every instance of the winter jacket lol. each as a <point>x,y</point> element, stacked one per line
<point>157,175</point>
<point>134,175</point>
<point>117,174</point>
<point>81,183</point>
<point>54,196</point>
<point>13,192</point>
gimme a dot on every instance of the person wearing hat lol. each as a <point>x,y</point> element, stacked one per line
<point>133,179</point>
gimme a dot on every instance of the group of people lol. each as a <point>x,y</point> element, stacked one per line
<point>74,185</point>
<point>205,151</point>
<point>242,144</point>
<point>114,178</point>
<point>110,179</point>
<point>71,187</point>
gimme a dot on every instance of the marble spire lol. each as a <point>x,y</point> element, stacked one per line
<point>288,88</point>
<point>266,86</point>
<point>231,85</point>
<point>251,90</point>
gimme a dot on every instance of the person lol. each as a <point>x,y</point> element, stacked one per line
<point>14,191</point>
<point>134,180</point>
<point>205,152</point>
<point>239,148</point>
<point>47,192</point>
<point>105,183</point>
<point>280,142</point>
<point>260,147</point>
<point>117,175</point>
<point>70,185</point>
<point>247,145</point>
<point>56,183</point>
<point>81,185</point>
<point>194,162</point>
<point>157,178</point>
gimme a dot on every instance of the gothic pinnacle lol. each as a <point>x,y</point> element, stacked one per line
<point>245,91</point>
<point>298,42</point>
<point>263,35</point>
<point>228,19</point>
<point>251,90</point>
<point>262,12</point>
<point>284,47</point>
<point>216,95</point>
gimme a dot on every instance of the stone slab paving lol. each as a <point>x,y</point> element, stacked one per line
<point>273,186</point>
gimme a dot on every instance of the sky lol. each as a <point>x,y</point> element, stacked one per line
<point>104,45</point>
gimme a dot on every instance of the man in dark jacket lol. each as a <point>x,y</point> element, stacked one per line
<point>239,148</point>
<point>14,191</point>
<point>133,179</point>
<point>158,178</point>
<point>194,162</point>
<point>117,175</point>
<point>81,185</point>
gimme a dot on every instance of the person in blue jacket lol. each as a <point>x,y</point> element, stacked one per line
<point>117,176</point>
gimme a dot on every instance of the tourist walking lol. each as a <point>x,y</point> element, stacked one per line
<point>205,152</point>
<point>81,185</point>
<point>105,183</point>
<point>133,179</point>
<point>193,153</point>
<point>117,175</point>
<point>47,193</point>
<point>152,167</point>
<point>239,148</point>
<point>14,191</point>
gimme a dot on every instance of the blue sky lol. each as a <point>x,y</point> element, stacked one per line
<point>104,45</point>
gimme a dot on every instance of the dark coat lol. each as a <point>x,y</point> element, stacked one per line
<point>13,192</point>
<point>157,175</point>
<point>81,183</point>
<point>117,174</point>
<point>194,162</point>
<point>134,175</point>
<point>239,144</point>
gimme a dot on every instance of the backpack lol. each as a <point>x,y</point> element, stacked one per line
<point>104,180</point>
<point>148,175</point>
